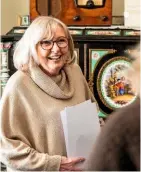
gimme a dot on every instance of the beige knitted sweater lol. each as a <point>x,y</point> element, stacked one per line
<point>31,129</point>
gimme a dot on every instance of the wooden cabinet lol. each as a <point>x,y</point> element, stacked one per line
<point>100,52</point>
<point>105,53</point>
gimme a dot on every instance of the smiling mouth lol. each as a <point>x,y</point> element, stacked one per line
<point>54,57</point>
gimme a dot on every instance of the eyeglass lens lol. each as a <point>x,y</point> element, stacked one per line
<point>61,42</point>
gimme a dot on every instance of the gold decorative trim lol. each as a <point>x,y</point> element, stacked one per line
<point>98,79</point>
<point>103,32</point>
<point>85,60</point>
<point>77,55</point>
<point>90,83</point>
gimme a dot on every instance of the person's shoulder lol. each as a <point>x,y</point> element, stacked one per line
<point>131,109</point>
<point>76,68</point>
<point>18,79</point>
<point>127,115</point>
<point>77,72</point>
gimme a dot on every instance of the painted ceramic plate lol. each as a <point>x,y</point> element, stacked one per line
<point>113,89</point>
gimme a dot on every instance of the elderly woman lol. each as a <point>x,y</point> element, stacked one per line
<point>47,80</point>
<point>118,146</point>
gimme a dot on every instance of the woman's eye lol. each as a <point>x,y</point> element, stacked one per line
<point>61,41</point>
<point>47,43</point>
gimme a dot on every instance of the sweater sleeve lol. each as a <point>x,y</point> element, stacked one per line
<point>16,151</point>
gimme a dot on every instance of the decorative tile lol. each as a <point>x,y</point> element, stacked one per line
<point>103,32</point>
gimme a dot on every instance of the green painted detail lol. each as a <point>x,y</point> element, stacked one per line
<point>103,32</point>
<point>95,56</point>
<point>101,114</point>
<point>4,50</point>
<point>131,33</point>
<point>76,32</point>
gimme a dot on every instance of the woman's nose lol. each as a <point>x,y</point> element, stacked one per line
<point>55,47</point>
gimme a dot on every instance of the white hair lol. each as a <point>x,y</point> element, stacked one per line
<point>134,72</point>
<point>42,27</point>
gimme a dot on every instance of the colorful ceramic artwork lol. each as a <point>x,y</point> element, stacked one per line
<point>115,89</point>
<point>111,87</point>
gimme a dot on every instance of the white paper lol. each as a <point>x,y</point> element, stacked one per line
<point>81,128</point>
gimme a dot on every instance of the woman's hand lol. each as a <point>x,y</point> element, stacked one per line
<point>68,164</point>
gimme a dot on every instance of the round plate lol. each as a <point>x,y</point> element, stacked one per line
<point>111,88</point>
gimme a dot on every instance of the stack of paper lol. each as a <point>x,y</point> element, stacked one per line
<point>81,128</point>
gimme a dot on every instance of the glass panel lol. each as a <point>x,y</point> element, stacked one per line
<point>84,2</point>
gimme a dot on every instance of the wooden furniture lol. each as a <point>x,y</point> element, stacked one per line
<point>75,12</point>
<point>93,47</point>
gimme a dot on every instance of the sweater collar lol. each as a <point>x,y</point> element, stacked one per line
<point>59,87</point>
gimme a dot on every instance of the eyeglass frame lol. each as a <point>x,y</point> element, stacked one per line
<point>41,43</point>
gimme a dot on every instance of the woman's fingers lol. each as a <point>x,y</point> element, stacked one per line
<point>69,164</point>
<point>78,160</point>
<point>72,160</point>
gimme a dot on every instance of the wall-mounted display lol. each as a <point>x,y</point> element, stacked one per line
<point>25,21</point>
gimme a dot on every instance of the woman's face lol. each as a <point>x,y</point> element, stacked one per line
<point>51,54</point>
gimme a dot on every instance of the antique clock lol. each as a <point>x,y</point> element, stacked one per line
<point>75,12</point>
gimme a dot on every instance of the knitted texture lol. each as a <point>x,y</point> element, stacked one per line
<point>32,137</point>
